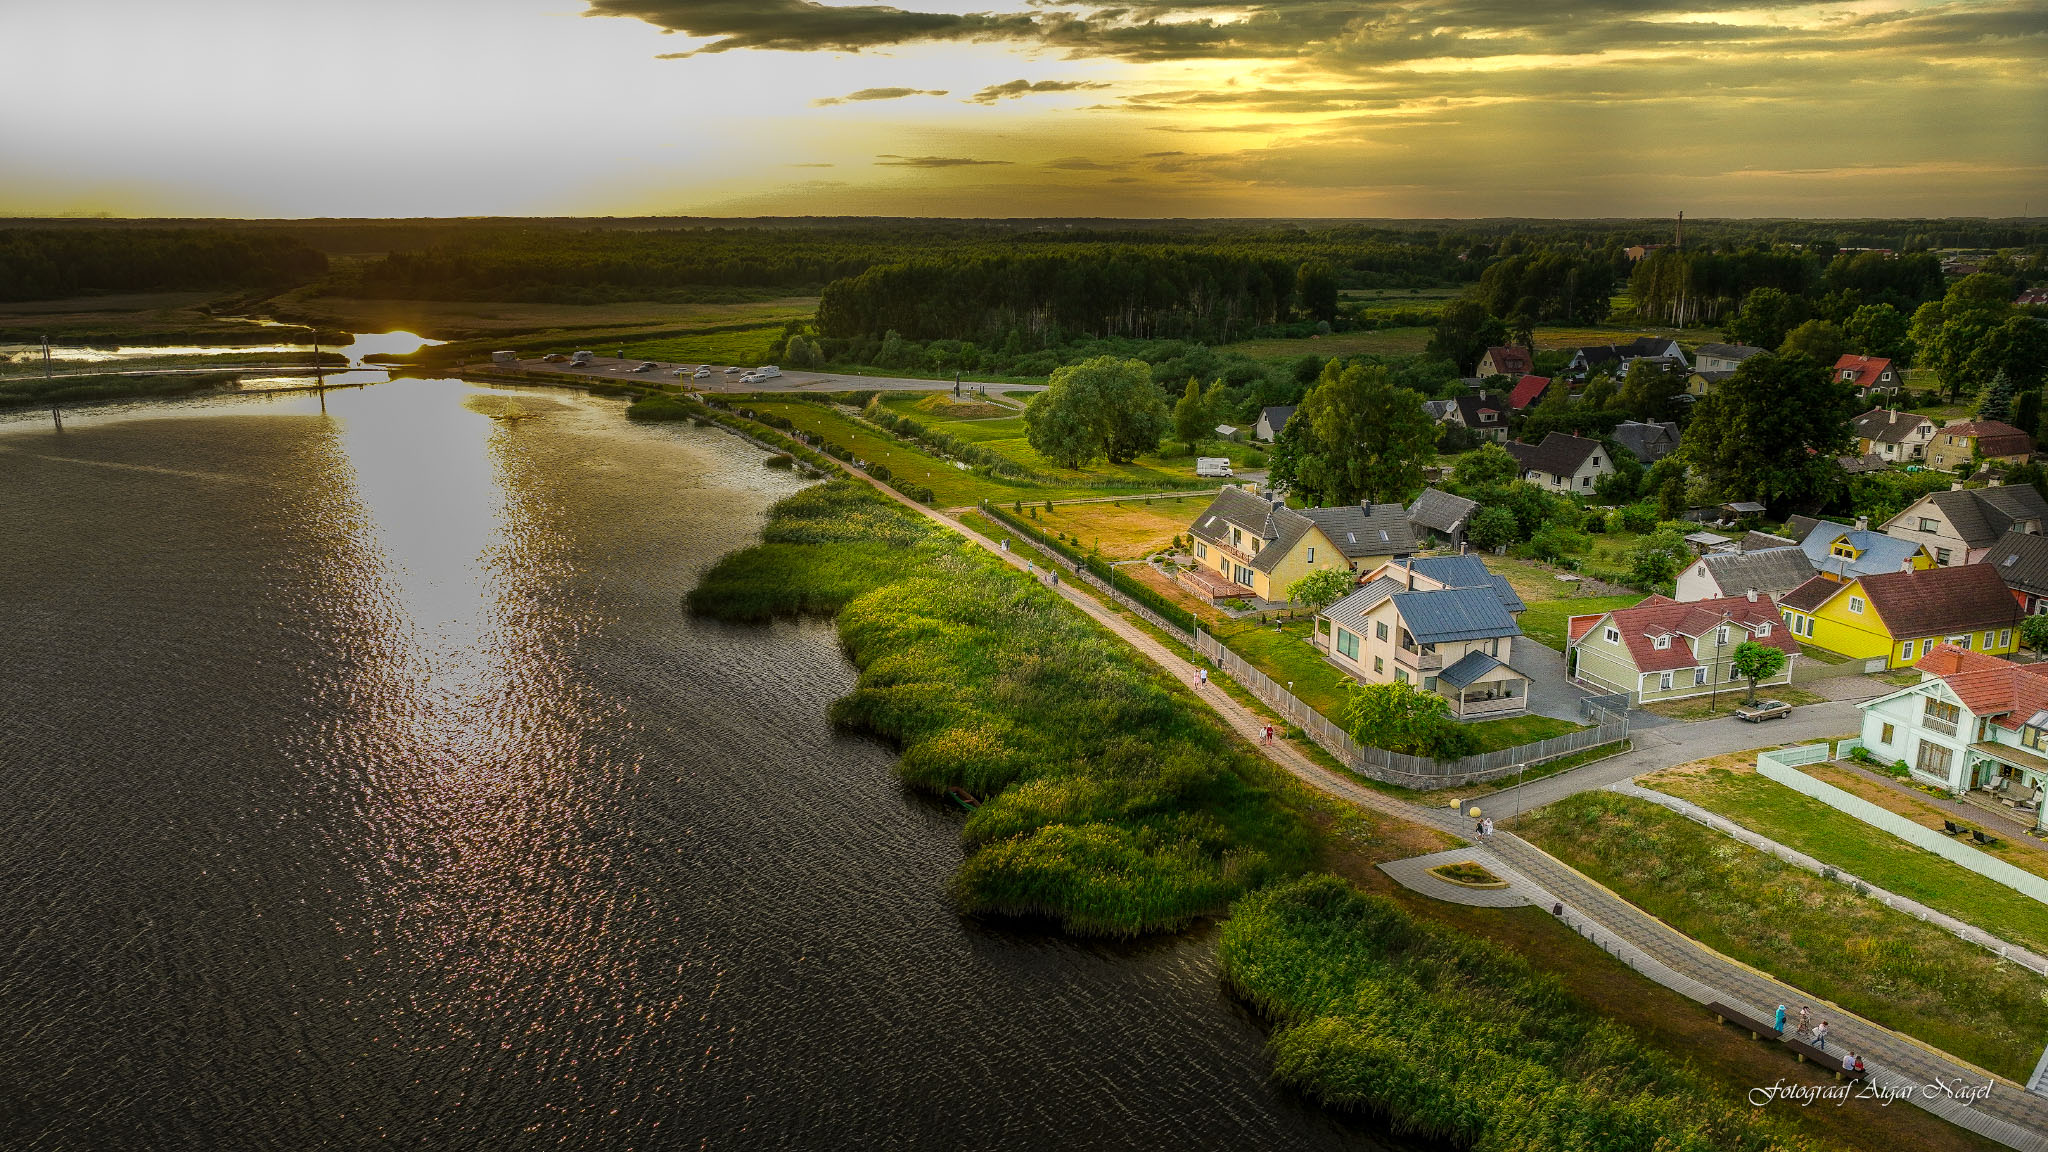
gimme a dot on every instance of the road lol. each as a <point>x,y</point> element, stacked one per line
<point>614,368</point>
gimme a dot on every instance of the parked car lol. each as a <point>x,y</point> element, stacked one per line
<point>700,373</point>
<point>553,358</point>
<point>750,378</point>
<point>1763,710</point>
<point>767,372</point>
<point>584,357</point>
<point>731,370</point>
<point>647,366</point>
<point>680,372</point>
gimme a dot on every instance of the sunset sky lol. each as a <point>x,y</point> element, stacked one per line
<point>1024,108</point>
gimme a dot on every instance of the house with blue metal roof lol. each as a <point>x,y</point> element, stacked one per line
<point>1843,553</point>
<point>1445,624</point>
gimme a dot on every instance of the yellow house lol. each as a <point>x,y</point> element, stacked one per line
<point>1254,546</point>
<point>1901,616</point>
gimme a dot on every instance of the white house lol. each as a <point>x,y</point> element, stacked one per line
<point>1562,462</point>
<point>1974,722</point>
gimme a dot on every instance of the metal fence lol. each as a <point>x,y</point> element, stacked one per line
<point>1398,767</point>
<point>1593,708</point>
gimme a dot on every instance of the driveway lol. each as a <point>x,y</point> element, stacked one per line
<point>1551,692</point>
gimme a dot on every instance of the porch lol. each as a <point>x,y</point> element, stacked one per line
<point>2007,781</point>
<point>1479,686</point>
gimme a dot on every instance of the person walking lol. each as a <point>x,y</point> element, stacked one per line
<point>1804,1029</point>
<point>1778,1021</point>
<point>1202,677</point>
<point>1487,827</point>
<point>1820,1036</point>
<point>1266,737</point>
<point>1031,567</point>
<point>1006,543</point>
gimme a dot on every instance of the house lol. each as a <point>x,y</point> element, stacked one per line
<point>1961,525</point>
<point>1722,357</point>
<point>1972,722</point>
<point>1965,442</point>
<point>1698,384</point>
<point>1255,546</point>
<point>2021,560</point>
<point>1647,442</point>
<point>1844,553</point>
<point>1483,414</point>
<point>1527,391</point>
<point>1271,421</point>
<point>1899,617</point>
<point>1705,542</point>
<point>1894,436</point>
<point>1870,374</point>
<point>1663,649</point>
<point>1227,432</point>
<point>1444,624</point>
<point>1503,361</point>
<point>1755,541</point>
<point>1563,462</point>
<point>1768,572</point>
<point>1439,410</point>
<point>1438,514</point>
<point>1616,358</point>
<point>1862,465</point>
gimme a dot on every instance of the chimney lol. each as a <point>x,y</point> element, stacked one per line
<point>1993,483</point>
<point>1863,523</point>
<point>1956,487</point>
<point>1895,417</point>
<point>1752,595</point>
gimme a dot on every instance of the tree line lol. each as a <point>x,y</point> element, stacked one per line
<point>49,263</point>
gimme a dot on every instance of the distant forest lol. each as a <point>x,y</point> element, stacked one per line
<point>44,263</point>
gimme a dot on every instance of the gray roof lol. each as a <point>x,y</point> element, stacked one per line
<point>1438,409</point>
<point>1452,614</point>
<point>1862,465</point>
<point>1982,515</point>
<point>1276,416</point>
<point>1648,443</point>
<point>1350,611</point>
<point>2022,561</point>
<point>1468,572</point>
<point>1276,526</point>
<point>1771,571</point>
<point>1880,553</point>
<point>1469,406</point>
<point>1560,454</point>
<point>1440,511</point>
<point>1798,527</point>
<point>1366,529</point>
<point>1754,541</point>
<point>1888,426</point>
<point>1470,668</point>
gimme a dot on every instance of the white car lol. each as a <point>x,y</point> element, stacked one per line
<point>733,369</point>
<point>700,374</point>
<point>750,378</point>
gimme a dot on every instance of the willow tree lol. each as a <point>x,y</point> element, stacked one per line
<point>1363,438</point>
<point>1102,407</point>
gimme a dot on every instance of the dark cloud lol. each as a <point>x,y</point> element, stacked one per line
<point>877,94</point>
<point>888,160</point>
<point>1017,88</point>
<point>1083,164</point>
<point>802,26</point>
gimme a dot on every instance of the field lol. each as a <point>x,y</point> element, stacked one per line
<point>1127,530</point>
<point>745,347</point>
<point>1381,342</point>
<point>135,319</point>
<point>1815,934</point>
<point>460,319</point>
<point>1732,788</point>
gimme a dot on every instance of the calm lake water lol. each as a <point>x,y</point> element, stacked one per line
<point>365,785</point>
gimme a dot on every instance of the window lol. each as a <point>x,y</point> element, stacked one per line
<point>1379,664</point>
<point>1429,683</point>
<point>1236,537</point>
<point>1613,636</point>
<point>1884,735</point>
<point>1596,459</point>
<point>1927,646</point>
<point>1988,645</point>
<point>1661,642</point>
<point>1962,641</point>
<point>1906,650</point>
<point>1929,524</point>
<point>1763,629</point>
<point>1941,557</point>
<point>2005,637</point>
<point>1347,643</point>
<point>1201,551</point>
<point>1843,549</point>
<point>1664,681</point>
<point>1721,634</point>
<point>1933,759</point>
<point>1700,571</point>
<point>1856,605</point>
<point>1401,675</point>
<point>1243,575</point>
<point>1311,553</point>
<point>1586,481</point>
<point>1940,717</point>
<point>1699,677</point>
<point>1380,629</point>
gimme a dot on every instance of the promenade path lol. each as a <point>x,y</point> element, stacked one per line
<point>2009,1114</point>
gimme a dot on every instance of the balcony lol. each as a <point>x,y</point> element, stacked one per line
<point>1419,660</point>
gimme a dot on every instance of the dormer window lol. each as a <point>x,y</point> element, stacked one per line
<point>1660,642</point>
<point>1843,549</point>
<point>1763,629</point>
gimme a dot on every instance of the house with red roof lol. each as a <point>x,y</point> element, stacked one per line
<point>1664,650</point>
<point>1870,374</point>
<point>1528,390</point>
<point>1968,442</point>
<point>1510,362</point>
<point>1974,724</point>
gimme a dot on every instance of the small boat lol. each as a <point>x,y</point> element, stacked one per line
<point>963,797</point>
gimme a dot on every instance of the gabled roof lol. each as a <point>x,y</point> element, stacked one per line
<point>1937,600</point>
<point>1471,668</point>
<point>1875,551</point>
<point>1509,361</point>
<point>1981,515</point>
<point>1466,572</point>
<point>1735,352</point>
<point>2021,560</point>
<point>1366,530</point>
<point>1755,541</point>
<point>1988,686</point>
<point>1771,572</point>
<point>1277,527</point>
<point>1993,437</point>
<point>1350,611</point>
<point>1661,616</point>
<point>1649,442</point>
<point>1866,369</point>
<point>1862,465</point>
<point>1438,409</point>
<point>1440,511</point>
<point>1452,614</point>
<point>1889,426</point>
<point>1527,390</point>
<point>1560,454</point>
<point>1276,416</point>
<point>1799,527</point>
<point>1469,407</point>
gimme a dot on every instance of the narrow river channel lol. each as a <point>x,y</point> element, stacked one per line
<point>364,785</point>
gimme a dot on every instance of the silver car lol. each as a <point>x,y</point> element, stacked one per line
<point>1763,710</point>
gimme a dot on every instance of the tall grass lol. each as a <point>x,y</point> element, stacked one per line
<point>1116,805</point>
<point>1457,1039</point>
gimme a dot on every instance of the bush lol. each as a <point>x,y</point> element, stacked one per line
<point>1637,518</point>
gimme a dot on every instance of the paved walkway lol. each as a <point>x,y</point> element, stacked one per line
<point>1414,872</point>
<point>2009,1115</point>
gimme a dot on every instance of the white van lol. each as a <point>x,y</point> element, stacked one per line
<point>1212,466</point>
<point>768,373</point>
<point>504,357</point>
<point>583,357</point>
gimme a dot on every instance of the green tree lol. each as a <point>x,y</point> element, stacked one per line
<point>1879,330</point>
<point>1638,518</point>
<point>1321,588</point>
<point>1771,432</point>
<point>2018,348</point>
<point>1365,438</point>
<point>1557,541</point>
<point>1623,484</point>
<point>2034,633</point>
<point>1765,318</point>
<point>1650,391</point>
<point>1950,335</point>
<point>1816,338</point>
<point>1997,401</point>
<point>1493,528</point>
<point>1464,331</point>
<point>1753,662</point>
<point>1315,289</point>
<point>1400,718</point>
<point>1657,559</point>
<point>1484,469</point>
<point>1284,461</point>
<point>1191,422</point>
<point>1100,407</point>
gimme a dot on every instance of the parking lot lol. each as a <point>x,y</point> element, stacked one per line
<point>722,380</point>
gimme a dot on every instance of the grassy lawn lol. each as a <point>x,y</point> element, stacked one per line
<point>1173,466</point>
<point>1546,620</point>
<point>448,319</point>
<point>1384,342</point>
<point>1575,337</point>
<point>1127,530</point>
<point>2018,852</point>
<point>1285,654</point>
<point>745,347</point>
<point>1815,934</point>
<point>1509,731</point>
<point>1707,707</point>
<point>1730,786</point>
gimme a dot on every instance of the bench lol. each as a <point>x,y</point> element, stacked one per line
<point>1756,1028</point>
<point>1828,1058</point>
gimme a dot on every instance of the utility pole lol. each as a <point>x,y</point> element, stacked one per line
<point>56,417</point>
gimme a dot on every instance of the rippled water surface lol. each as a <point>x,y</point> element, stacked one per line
<point>365,786</point>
